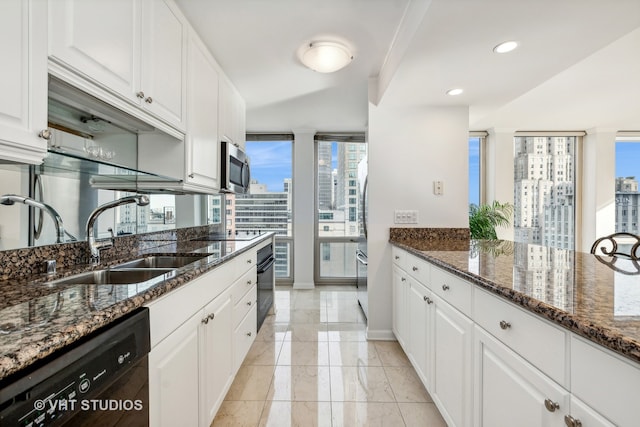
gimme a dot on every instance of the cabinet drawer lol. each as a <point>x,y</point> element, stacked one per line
<point>419,269</point>
<point>244,305</point>
<point>400,257</point>
<point>243,336</point>
<point>536,340</point>
<point>244,262</point>
<point>452,289</point>
<point>606,382</point>
<point>243,285</point>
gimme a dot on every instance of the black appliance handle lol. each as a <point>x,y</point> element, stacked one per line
<point>266,265</point>
<point>361,257</point>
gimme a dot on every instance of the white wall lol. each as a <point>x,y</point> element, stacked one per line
<point>409,148</point>
<point>303,208</point>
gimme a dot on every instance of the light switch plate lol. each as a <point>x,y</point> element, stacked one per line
<point>405,217</point>
<point>438,188</point>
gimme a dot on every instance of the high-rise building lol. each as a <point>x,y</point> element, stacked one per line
<point>325,176</point>
<point>544,203</point>
<point>627,205</point>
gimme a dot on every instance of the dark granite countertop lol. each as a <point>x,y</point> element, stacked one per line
<point>581,292</point>
<point>37,319</point>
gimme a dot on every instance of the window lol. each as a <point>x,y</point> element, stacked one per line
<point>553,220</point>
<point>474,170</point>
<point>267,206</point>
<point>338,209</point>
<point>627,196</point>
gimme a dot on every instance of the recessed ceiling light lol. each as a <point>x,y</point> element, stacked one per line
<point>326,57</point>
<point>454,92</point>
<point>505,47</point>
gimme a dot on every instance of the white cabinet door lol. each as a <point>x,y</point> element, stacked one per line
<point>23,80</point>
<point>163,67</point>
<point>510,391</point>
<point>582,415</point>
<point>202,134</point>
<point>452,376</point>
<point>231,114</point>
<point>419,303</point>
<point>99,39</point>
<point>216,356</point>
<point>174,376</point>
<point>400,286</point>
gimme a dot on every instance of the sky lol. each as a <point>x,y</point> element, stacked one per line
<point>628,159</point>
<point>270,163</point>
<point>474,170</point>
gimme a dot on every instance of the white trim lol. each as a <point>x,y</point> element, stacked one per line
<point>380,335</point>
<point>298,285</point>
<point>478,134</point>
<point>550,133</point>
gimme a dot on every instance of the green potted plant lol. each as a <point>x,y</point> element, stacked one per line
<point>484,219</point>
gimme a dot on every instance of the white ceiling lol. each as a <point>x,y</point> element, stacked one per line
<point>578,65</point>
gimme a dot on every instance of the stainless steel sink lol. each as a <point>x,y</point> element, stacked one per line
<point>161,261</point>
<point>117,277</point>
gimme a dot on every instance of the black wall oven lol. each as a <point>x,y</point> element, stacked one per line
<point>101,382</point>
<point>266,260</point>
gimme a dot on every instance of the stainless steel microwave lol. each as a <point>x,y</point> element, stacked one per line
<point>234,170</point>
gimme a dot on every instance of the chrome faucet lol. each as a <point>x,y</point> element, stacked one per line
<point>95,246</point>
<point>10,199</point>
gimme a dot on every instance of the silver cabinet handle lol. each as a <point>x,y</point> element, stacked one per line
<point>191,175</point>
<point>140,94</point>
<point>445,287</point>
<point>45,134</point>
<point>403,279</point>
<point>397,257</point>
<point>248,261</point>
<point>211,316</point>
<point>148,100</point>
<point>249,303</point>
<point>504,325</point>
<point>551,405</point>
<point>249,282</point>
<point>249,334</point>
<point>572,422</point>
<point>415,268</point>
<point>205,320</point>
<point>427,299</point>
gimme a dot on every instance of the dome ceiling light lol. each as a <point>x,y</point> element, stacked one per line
<point>326,57</point>
<point>506,47</point>
<point>454,92</point>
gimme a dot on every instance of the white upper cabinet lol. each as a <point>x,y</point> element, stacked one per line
<point>232,113</point>
<point>202,145</point>
<point>23,80</point>
<point>134,48</point>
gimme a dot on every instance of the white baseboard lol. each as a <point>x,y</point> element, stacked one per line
<point>380,335</point>
<point>298,285</point>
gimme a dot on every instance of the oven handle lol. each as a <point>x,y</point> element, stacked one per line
<point>266,265</point>
<point>361,258</point>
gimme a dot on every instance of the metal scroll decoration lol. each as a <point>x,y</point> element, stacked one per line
<point>612,240</point>
<point>609,256</point>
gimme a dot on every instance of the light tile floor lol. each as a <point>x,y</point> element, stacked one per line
<point>311,365</point>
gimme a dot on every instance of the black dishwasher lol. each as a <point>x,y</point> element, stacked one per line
<point>101,382</point>
<point>265,282</point>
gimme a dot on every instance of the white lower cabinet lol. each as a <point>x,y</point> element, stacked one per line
<point>173,372</point>
<point>216,362</point>
<point>488,363</point>
<point>510,391</point>
<point>452,349</point>
<point>198,343</point>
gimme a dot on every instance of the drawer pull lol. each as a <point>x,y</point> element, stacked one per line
<point>504,325</point>
<point>551,405</point>
<point>572,422</point>
<point>403,279</point>
<point>248,261</point>
<point>249,282</point>
<point>212,315</point>
<point>415,268</point>
<point>397,257</point>
<point>249,334</point>
<point>445,287</point>
<point>205,320</point>
<point>249,303</point>
<point>428,300</point>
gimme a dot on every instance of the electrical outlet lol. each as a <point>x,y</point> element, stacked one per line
<point>438,188</point>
